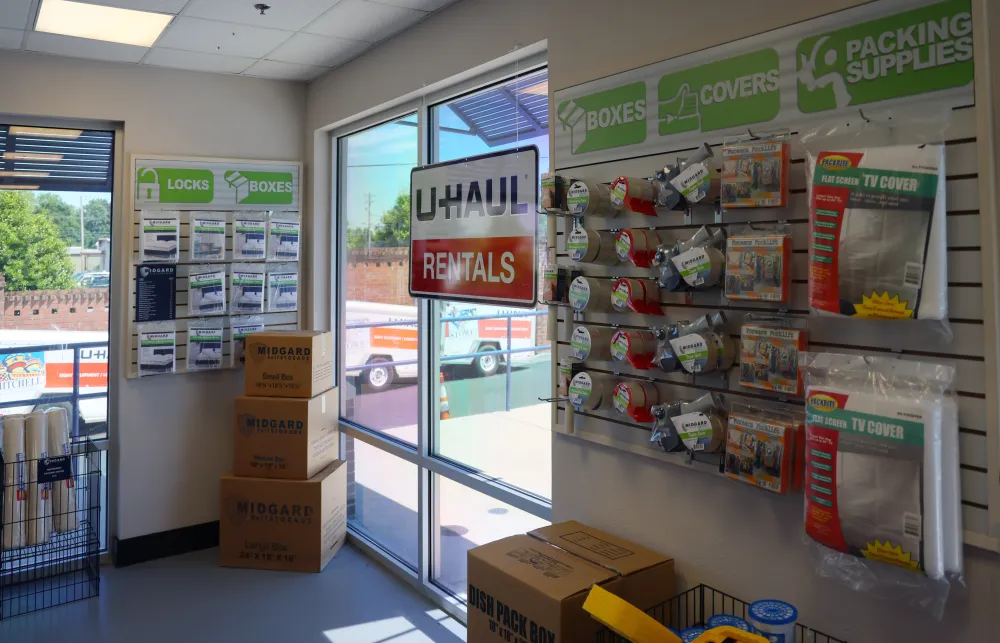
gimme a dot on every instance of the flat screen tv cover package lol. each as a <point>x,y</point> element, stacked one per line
<point>882,484</point>
<point>877,246</point>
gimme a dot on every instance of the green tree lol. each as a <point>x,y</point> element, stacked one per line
<point>65,217</point>
<point>357,238</point>
<point>32,255</point>
<point>393,230</point>
<point>96,222</point>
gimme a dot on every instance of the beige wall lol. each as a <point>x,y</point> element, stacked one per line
<point>724,534</point>
<point>174,432</point>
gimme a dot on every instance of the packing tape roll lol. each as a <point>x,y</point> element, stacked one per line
<point>587,294</point>
<point>692,428</point>
<point>697,352</point>
<point>591,391</point>
<point>64,515</point>
<point>630,396</point>
<point>634,294</point>
<point>626,188</point>
<point>700,267</point>
<point>592,246</point>
<point>591,342</point>
<point>14,497</point>
<point>566,365</point>
<point>39,509</point>
<point>636,246</point>
<point>633,346</point>
<point>588,199</point>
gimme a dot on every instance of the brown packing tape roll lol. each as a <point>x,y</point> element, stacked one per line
<point>629,396</point>
<point>592,246</point>
<point>627,188</point>
<point>591,343</point>
<point>591,391</point>
<point>587,294</point>
<point>633,294</point>
<point>718,433</point>
<point>590,199</point>
<point>633,346</point>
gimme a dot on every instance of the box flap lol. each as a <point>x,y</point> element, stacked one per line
<point>608,551</point>
<point>552,572</point>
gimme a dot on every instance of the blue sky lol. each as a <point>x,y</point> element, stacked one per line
<point>379,161</point>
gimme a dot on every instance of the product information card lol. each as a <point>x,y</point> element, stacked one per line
<point>154,292</point>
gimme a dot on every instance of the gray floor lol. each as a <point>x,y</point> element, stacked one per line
<point>190,598</point>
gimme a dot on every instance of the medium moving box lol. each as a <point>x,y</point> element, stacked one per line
<point>290,438</point>
<point>290,525</point>
<point>289,363</point>
<point>532,587</point>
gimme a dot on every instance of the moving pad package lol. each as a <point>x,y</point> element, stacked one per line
<point>877,245</point>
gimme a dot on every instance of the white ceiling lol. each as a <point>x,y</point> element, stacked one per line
<point>294,40</point>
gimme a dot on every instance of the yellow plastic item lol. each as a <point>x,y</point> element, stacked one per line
<point>727,634</point>
<point>627,620</point>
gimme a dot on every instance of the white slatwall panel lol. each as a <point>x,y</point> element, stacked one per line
<point>289,320</point>
<point>964,349</point>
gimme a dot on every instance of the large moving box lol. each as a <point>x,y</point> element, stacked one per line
<point>289,363</point>
<point>290,438</point>
<point>532,587</point>
<point>291,525</point>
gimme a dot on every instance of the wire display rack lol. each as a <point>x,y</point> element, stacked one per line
<point>698,604</point>
<point>49,553</point>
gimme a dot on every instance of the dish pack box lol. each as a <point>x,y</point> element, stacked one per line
<point>289,363</point>
<point>288,438</point>
<point>286,525</point>
<point>532,587</point>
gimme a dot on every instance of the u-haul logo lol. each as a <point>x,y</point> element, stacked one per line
<point>835,163</point>
<point>823,403</point>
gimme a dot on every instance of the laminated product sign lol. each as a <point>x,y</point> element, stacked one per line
<point>880,54</point>
<point>473,227</point>
<point>179,184</point>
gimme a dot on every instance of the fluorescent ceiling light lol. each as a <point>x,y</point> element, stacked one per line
<point>29,175</point>
<point>31,156</point>
<point>98,22</point>
<point>46,132</point>
<point>18,187</point>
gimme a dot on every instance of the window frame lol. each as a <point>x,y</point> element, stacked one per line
<point>428,365</point>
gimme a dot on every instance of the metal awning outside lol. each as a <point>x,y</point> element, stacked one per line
<point>507,113</point>
<point>47,158</point>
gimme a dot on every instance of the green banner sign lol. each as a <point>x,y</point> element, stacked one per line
<point>915,52</point>
<point>223,185</point>
<point>736,91</point>
<point>261,188</point>
<point>611,118</point>
<point>175,185</point>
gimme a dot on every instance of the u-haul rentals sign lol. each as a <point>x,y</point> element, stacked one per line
<point>473,227</point>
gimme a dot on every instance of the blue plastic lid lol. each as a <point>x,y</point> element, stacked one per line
<point>691,634</point>
<point>773,612</point>
<point>721,620</point>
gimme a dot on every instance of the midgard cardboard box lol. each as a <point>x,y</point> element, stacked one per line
<point>289,438</point>
<point>290,525</point>
<point>532,587</point>
<point>289,363</point>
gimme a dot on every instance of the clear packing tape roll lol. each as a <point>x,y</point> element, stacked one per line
<point>590,199</point>
<point>633,194</point>
<point>635,398</point>
<point>15,497</point>
<point>636,295</point>
<point>590,294</point>
<point>64,502</point>
<point>637,347</point>
<point>590,391</point>
<point>592,246</point>
<point>591,343</point>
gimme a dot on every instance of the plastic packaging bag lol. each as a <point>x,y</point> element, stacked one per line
<point>204,345</point>
<point>759,263</point>
<point>761,446</point>
<point>249,236</point>
<point>246,288</point>
<point>283,237</point>
<point>282,287</point>
<point>769,353</point>
<point>878,246</point>
<point>157,348</point>
<point>207,236</point>
<point>159,237</point>
<point>755,171</point>
<point>879,476</point>
<point>241,328</point>
<point>207,290</point>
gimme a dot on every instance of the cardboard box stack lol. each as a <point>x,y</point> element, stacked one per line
<point>532,587</point>
<point>284,506</point>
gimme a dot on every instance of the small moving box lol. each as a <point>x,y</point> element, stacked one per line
<point>289,525</point>
<point>532,587</point>
<point>292,363</point>
<point>289,438</point>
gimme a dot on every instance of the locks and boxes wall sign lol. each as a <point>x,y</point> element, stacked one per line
<point>179,184</point>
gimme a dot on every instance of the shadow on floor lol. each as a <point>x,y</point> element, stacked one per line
<point>191,598</point>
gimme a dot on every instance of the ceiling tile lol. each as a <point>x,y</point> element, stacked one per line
<point>423,5</point>
<point>10,38</point>
<point>159,6</point>
<point>196,61</point>
<point>284,71</point>
<point>322,51</point>
<point>83,47</point>
<point>212,37</point>
<point>284,14</point>
<point>362,20</point>
<point>14,13</point>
